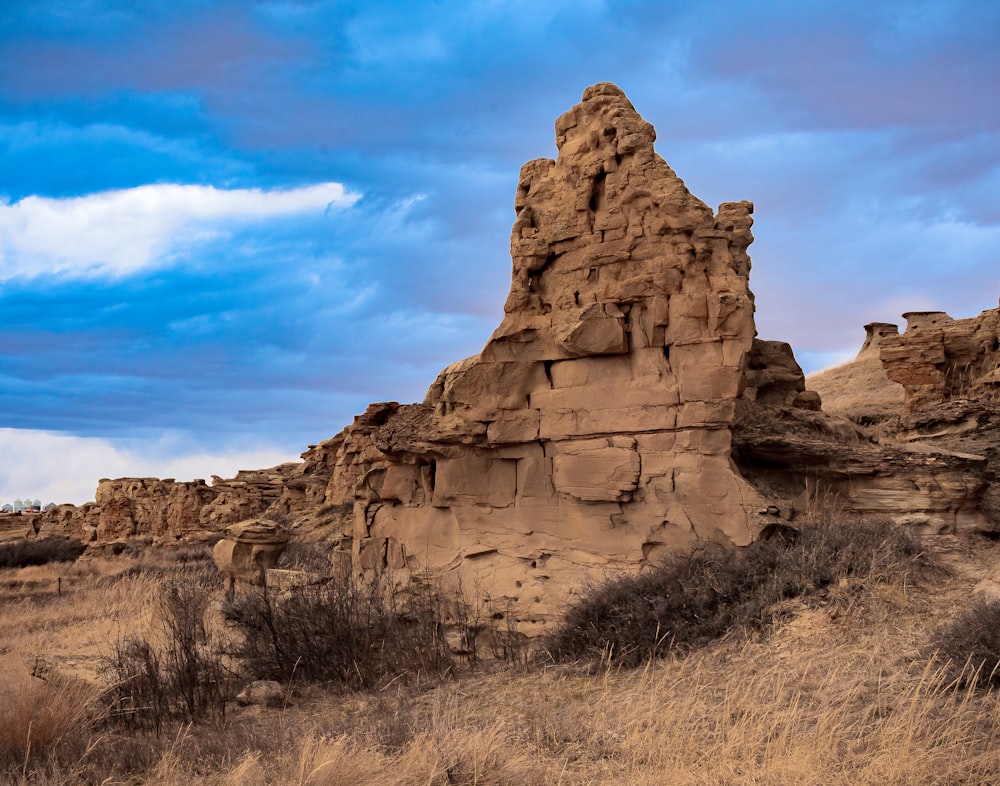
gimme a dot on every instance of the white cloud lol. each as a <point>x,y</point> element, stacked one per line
<point>60,468</point>
<point>116,233</point>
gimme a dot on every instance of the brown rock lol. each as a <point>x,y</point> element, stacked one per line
<point>594,427</point>
<point>939,358</point>
<point>248,550</point>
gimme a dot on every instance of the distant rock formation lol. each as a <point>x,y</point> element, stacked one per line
<point>167,510</point>
<point>933,395</point>
<point>939,358</point>
<point>860,387</point>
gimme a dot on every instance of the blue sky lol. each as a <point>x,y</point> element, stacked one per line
<point>225,227</point>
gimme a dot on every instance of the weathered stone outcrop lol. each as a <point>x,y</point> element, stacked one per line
<point>167,510</point>
<point>248,550</point>
<point>950,372</point>
<point>773,378</point>
<point>931,462</point>
<point>134,506</point>
<point>876,334</point>
<point>819,465</point>
<point>939,358</point>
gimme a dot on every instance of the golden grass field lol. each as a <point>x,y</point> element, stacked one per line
<point>840,692</point>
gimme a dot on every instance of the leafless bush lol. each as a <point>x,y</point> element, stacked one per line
<point>306,555</point>
<point>175,674</point>
<point>507,645</point>
<point>970,645</point>
<point>22,553</point>
<point>358,633</point>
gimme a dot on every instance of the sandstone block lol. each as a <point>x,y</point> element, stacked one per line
<point>475,480</point>
<point>600,475</point>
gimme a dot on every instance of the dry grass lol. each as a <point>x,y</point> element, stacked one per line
<point>41,718</point>
<point>694,598</point>
<point>839,693</point>
<point>858,389</point>
<point>824,702</point>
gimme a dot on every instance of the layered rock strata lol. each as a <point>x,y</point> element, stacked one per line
<point>932,459</point>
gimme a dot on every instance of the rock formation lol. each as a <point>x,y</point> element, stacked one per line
<point>623,408</point>
<point>167,510</point>
<point>930,395</point>
<point>594,427</point>
<point>248,550</point>
<point>939,358</point>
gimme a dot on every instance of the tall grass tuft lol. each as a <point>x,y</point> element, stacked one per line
<point>44,719</point>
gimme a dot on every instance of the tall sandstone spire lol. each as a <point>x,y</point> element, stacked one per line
<point>594,427</point>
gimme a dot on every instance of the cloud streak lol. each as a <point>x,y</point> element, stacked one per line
<point>118,233</point>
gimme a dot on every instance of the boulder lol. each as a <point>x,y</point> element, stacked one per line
<point>248,550</point>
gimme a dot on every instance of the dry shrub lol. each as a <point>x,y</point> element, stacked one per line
<point>43,720</point>
<point>970,645</point>
<point>358,633</point>
<point>191,553</point>
<point>311,556</point>
<point>22,553</point>
<point>173,674</point>
<point>712,591</point>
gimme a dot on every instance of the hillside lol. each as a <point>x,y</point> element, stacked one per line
<point>860,389</point>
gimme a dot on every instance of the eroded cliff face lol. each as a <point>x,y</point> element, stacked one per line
<point>929,457</point>
<point>950,373</point>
